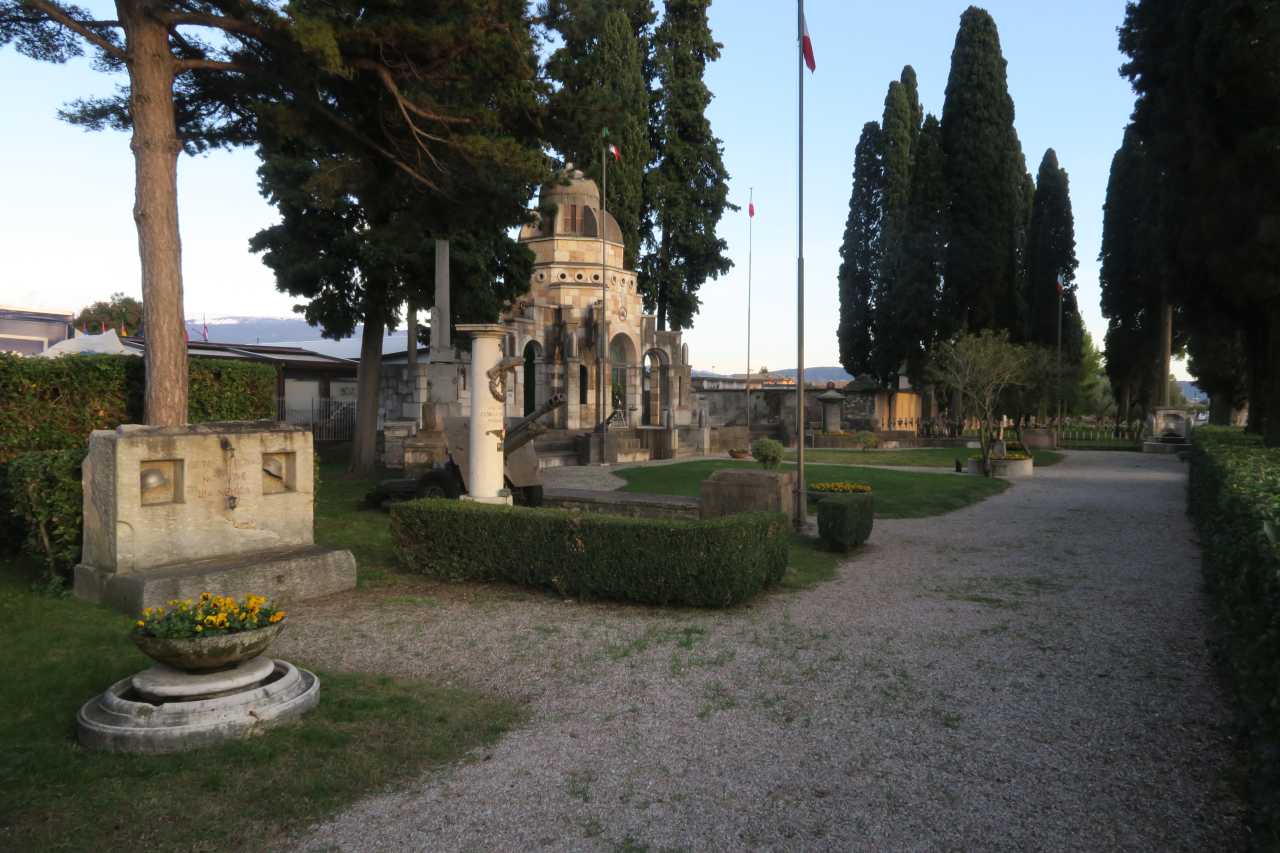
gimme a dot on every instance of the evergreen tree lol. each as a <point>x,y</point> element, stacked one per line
<point>1050,257</point>
<point>984,169</point>
<point>604,85</point>
<point>687,187</point>
<point>859,265</point>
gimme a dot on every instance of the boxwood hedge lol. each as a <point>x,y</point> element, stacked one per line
<point>1234,499</point>
<point>45,494</point>
<point>712,563</point>
<point>844,521</point>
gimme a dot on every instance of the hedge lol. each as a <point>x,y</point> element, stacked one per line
<point>1234,499</point>
<point>54,403</point>
<point>713,563</point>
<point>45,491</point>
<point>844,521</point>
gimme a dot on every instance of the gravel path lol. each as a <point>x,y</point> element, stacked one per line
<point>1029,673</point>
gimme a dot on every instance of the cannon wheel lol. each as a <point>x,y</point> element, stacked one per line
<point>438,484</point>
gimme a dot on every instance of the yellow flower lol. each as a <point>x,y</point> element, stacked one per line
<point>140,623</point>
<point>199,628</point>
<point>277,616</point>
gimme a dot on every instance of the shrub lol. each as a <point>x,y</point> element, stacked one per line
<point>54,403</point>
<point>1234,499</point>
<point>11,530</point>
<point>866,440</point>
<point>713,563</point>
<point>844,521</point>
<point>767,452</point>
<point>45,490</point>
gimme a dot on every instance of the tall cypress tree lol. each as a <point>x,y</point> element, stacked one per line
<point>984,170</point>
<point>1050,253</point>
<point>688,185</point>
<point>859,265</point>
<point>604,83</point>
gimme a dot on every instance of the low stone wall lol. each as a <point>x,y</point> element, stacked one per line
<point>734,491</point>
<point>1008,469</point>
<point>1039,439</point>
<point>629,504</point>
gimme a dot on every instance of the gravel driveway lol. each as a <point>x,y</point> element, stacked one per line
<point>1029,673</point>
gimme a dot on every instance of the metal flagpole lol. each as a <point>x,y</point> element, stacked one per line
<point>751,218</point>
<point>1058,384</point>
<point>604,291</point>
<point>801,512</point>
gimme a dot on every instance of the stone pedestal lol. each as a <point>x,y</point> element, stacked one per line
<point>1170,431</point>
<point>487,428</point>
<point>734,491</point>
<point>832,409</point>
<point>224,508</point>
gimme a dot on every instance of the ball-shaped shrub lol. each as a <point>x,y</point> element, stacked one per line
<point>767,452</point>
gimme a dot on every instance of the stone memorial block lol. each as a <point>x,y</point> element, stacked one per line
<point>733,491</point>
<point>170,512</point>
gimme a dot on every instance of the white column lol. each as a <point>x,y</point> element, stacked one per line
<point>487,426</point>
<point>441,342</point>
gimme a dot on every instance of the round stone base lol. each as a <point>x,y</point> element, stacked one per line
<point>1009,469</point>
<point>159,711</point>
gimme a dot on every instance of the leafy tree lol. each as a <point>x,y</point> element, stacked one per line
<point>859,267</point>
<point>118,312</point>
<point>980,368</point>
<point>604,84</point>
<point>984,175</point>
<point>687,187</point>
<point>356,237</point>
<point>199,73</point>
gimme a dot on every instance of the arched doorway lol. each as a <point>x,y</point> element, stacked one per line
<point>622,359</point>
<point>655,392</point>
<point>532,355</point>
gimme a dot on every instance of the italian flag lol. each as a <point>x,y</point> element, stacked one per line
<point>806,43</point>
<point>615,152</point>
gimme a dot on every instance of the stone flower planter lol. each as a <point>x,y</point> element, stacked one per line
<point>215,651</point>
<point>1009,469</point>
<point>740,454</point>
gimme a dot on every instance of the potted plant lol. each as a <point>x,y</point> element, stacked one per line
<point>817,491</point>
<point>211,632</point>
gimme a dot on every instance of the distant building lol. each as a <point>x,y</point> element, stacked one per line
<point>28,332</point>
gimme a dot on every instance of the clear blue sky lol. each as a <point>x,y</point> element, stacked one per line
<point>67,236</point>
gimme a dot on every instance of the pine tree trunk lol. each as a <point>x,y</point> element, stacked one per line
<point>662,281</point>
<point>1166,352</point>
<point>364,449</point>
<point>1256,349</point>
<point>155,210</point>
<point>1270,379</point>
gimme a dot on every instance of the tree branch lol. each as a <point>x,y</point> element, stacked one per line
<point>81,28</point>
<point>221,22</point>
<point>207,65</point>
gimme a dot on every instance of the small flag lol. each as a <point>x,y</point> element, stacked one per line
<point>751,209</point>
<point>204,331</point>
<point>615,152</point>
<point>1061,285</point>
<point>806,44</point>
<point>102,324</point>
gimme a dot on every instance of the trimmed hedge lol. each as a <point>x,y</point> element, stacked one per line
<point>844,521</point>
<point>45,491</point>
<point>1234,499</point>
<point>54,403</point>
<point>713,563</point>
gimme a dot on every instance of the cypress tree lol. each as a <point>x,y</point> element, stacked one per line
<point>983,170</point>
<point>859,260</point>
<point>604,84</point>
<point>1050,253</point>
<point>687,188</point>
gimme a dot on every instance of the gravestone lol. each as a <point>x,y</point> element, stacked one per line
<point>733,491</point>
<point>226,508</point>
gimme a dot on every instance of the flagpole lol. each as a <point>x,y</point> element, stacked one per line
<point>751,218</point>
<point>604,291</point>
<point>801,508</point>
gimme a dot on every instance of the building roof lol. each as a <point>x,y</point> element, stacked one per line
<point>281,355</point>
<point>575,200</point>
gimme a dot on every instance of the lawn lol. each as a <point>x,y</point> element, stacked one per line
<point>921,457</point>
<point>898,494</point>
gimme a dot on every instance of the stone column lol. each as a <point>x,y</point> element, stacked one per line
<point>832,402</point>
<point>441,337</point>
<point>487,425</point>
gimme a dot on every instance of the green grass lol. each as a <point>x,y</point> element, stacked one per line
<point>809,563</point>
<point>342,521</point>
<point>898,494</point>
<point>921,457</point>
<point>369,733</point>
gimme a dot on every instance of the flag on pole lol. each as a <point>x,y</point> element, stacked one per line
<point>1061,286</point>
<point>615,152</point>
<point>204,330</point>
<point>806,45</point>
<point>751,209</point>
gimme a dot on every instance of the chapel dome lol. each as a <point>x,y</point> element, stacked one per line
<point>570,207</point>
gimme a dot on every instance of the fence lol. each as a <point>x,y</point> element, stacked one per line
<point>330,420</point>
<point>1100,437</point>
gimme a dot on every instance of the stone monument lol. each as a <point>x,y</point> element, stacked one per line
<point>227,508</point>
<point>1170,431</point>
<point>485,458</point>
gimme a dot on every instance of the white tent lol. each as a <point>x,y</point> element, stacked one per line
<point>108,343</point>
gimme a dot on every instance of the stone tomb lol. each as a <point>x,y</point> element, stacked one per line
<point>227,508</point>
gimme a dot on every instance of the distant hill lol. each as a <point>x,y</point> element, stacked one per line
<point>817,374</point>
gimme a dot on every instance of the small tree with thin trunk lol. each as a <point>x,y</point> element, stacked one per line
<point>979,369</point>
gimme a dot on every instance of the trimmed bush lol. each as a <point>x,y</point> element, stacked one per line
<point>844,521</point>
<point>1234,499</point>
<point>713,563</point>
<point>866,439</point>
<point>44,488</point>
<point>767,452</point>
<point>54,403</point>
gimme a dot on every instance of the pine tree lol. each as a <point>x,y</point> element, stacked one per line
<point>984,170</point>
<point>859,257</point>
<point>1050,257</point>
<point>687,188</point>
<point>604,85</point>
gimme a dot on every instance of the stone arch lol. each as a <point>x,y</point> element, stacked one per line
<point>529,376</point>
<point>655,386</point>
<point>623,396</point>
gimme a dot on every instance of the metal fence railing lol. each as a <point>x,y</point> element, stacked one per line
<point>330,420</point>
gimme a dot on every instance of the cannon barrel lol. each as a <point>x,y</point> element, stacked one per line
<point>526,429</point>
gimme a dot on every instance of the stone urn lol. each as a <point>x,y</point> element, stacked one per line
<point>215,651</point>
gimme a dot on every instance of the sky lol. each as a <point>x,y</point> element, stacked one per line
<point>67,236</point>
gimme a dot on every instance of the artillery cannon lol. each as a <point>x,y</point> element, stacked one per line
<point>520,469</point>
